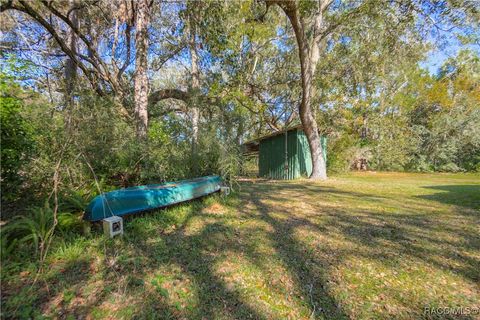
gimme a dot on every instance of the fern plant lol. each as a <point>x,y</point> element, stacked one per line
<point>34,229</point>
<point>73,201</point>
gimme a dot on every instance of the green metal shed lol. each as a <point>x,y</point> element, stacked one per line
<point>284,155</point>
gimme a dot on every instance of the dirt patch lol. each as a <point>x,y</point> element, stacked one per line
<point>215,208</point>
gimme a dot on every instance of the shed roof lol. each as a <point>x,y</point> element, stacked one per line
<point>252,146</point>
<point>273,134</point>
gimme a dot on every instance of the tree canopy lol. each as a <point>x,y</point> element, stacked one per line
<point>154,90</point>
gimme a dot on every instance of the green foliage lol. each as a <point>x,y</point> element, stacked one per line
<point>445,118</point>
<point>409,120</point>
<point>16,137</point>
<point>35,229</point>
<point>70,249</point>
<point>157,282</point>
<point>339,151</point>
<point>32,230</point>
<point>393,145</point>
<point>372,100</point>
<point>22,305</point>
<point>73,201</point>
<point>230,163</point>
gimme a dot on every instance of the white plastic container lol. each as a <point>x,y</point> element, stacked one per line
<point>113,226</point>
<point>225,191</point>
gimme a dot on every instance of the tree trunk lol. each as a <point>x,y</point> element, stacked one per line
<point>142,21</point>
<point>195,112</point>
<point>319,167</point>
<point>364,130</point>
<point>309,54</point>
<point>71,66</point>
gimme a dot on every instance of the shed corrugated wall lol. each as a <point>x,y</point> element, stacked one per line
<point>271,161</point>
<point>303,154</point>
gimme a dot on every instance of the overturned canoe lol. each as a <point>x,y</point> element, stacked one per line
<point>141,198</point>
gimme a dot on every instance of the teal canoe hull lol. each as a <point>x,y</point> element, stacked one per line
<point>142,198</point>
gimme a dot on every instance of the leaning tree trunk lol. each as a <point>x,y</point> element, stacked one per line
<point>309,54</point>
<point>195,112</point>
<point>142,21</point>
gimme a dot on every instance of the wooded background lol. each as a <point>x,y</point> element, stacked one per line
<point>130,92</point>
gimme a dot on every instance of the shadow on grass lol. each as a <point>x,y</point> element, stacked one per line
<point>306,269</point>
<point>467,196</point>
<point>389,238</point>
<point>148,246</point>
<point>196,255</point>
<point>410,232</point>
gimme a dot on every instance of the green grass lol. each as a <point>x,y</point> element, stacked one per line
<point>362,246</point>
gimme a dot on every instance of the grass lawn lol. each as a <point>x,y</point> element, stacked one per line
<point>361,246</point>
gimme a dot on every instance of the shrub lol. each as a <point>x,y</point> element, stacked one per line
<point>16,137</point>
<point>32,230</point>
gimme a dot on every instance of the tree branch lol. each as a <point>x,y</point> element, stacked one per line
<point>163,94</point>
<point>27,9</point>
<point>98,62</point>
